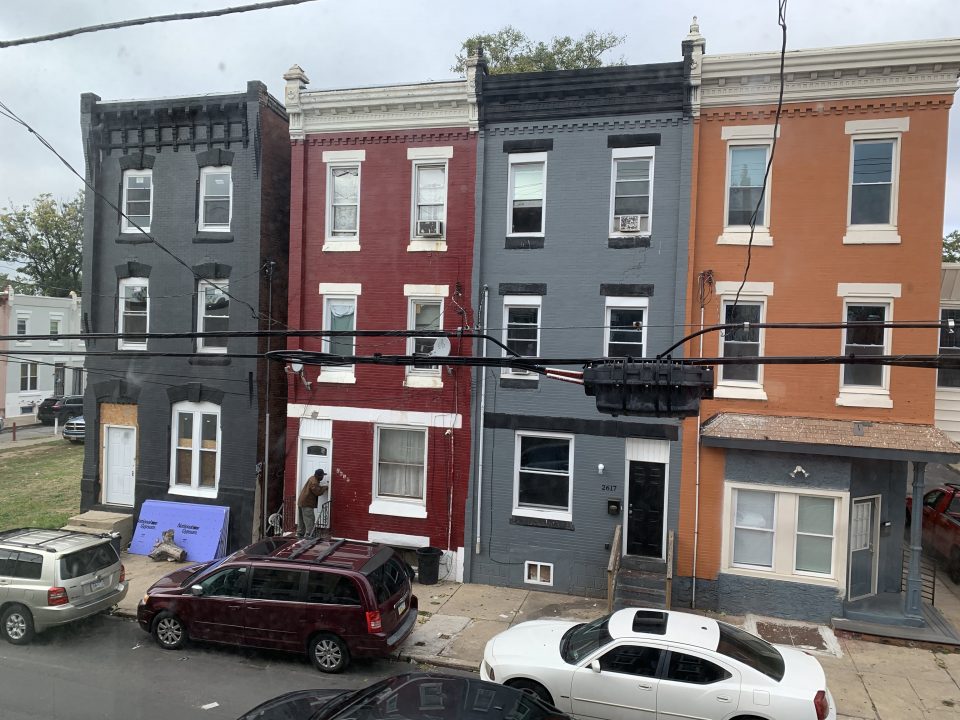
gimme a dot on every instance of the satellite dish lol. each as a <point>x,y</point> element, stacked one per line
<point>296,367</point>
<point>441,348</point>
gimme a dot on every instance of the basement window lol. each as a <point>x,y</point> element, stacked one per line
<point>538,573</point>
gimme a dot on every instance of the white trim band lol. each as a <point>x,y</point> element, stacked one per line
<point>444,152</point>
<point>335,156</point>
<point>340,288</point>
<point>376,415</point>
<point>878,290</point>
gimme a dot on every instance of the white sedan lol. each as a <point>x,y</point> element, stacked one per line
<point>658,664</point>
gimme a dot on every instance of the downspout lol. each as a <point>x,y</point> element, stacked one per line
<point>483,404</point>
<point>696,471</point>
<point>266,418</point>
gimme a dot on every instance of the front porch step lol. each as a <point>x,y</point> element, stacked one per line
<point>639,597</point>
<point>645,564</point>
<point>98,521</point>
<point>640,579</point>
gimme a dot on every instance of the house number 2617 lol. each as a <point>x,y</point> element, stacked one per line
<point>608,488</point>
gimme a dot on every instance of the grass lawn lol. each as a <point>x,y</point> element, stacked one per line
<point>40,484</point>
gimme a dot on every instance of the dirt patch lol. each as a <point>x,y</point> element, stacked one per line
<point>801,636</point>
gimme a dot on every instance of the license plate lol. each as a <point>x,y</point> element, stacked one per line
<point>401,607</point>
<point>97,585</point>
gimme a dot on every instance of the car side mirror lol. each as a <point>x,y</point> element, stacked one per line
<point>196,590</point>
<point>595,665</point>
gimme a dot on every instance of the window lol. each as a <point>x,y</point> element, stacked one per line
<point>213,314</point>
<point>741,342</point>
<point>59,379</point>
<point>785,531</point>
<point>137,200</point>
<point>22,325</point>
<point>543,484</point>
<point>340,314</point>
<point>430,199</point>
<point>275,584</point>
<point>694,670</point>
<point>751,651</point>
<point>527,194</point>
<point>19,564</point>
<point>632,660</point>
<point>747,166</point>
<point>538,573</point>
<point>330,589</point>
<point>871,183</point>
<point>216,198</point>
<point>401,460</point>
<point>134,313</point>
<point>344,198</point>
<point>77,382</point>
<point>631,191</point>
<point>388,580</point>
<point>196,448</point>
<point>521,327</point>
<point>28,376</point>
<point>424,315</point>
<point>231,582</point>
<point>865,340</point>
<point>624,327</point>
<point>949,346</point>
<point>55,324</point>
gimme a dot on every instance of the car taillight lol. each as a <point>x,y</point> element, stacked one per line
<point>374,623</point>
<point>57,596</point>
<point>123,573</point>
<point>821,705</point>
<point>57,406</point>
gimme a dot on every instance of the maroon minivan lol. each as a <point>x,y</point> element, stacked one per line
<point>333,600</point>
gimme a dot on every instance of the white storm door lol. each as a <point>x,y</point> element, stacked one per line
<point>314,455</point>
<point>120,457</point>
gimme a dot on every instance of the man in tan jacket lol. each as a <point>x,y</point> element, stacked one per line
<point>307,503</point>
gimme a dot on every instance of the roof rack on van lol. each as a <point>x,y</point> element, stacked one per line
<point>329,551</point>
<point>5,537</point>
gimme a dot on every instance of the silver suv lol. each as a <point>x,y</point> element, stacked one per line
<point>53,577</point>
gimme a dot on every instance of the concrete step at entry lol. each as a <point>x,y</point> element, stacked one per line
<point>641,579</point>
<point>650,565</point>
<point>639,597</point>
<point>99,521</point>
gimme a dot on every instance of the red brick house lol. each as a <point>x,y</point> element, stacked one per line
<point>381,238</point>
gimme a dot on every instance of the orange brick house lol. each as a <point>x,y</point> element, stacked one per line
<point>795,476</point>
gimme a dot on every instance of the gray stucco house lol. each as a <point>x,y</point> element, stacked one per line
<point>201,245</point>
<point>584,186</point>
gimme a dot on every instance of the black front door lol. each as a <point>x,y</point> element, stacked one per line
<point>645,512</point>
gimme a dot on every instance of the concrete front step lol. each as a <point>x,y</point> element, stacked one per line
<point>639,597</point>
<point>644,564</point>
<point>99,521</point>
<point>640,579</point>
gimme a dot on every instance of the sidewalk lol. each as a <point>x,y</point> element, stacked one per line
<point>869,681</point>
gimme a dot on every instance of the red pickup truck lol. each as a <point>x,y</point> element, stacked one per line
<point>941,525</point>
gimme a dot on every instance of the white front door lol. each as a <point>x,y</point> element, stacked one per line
<point>120,464</point>
<point>315,454</point>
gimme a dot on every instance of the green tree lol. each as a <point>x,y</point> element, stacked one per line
<point>45,242</point>
<point>510,51</point>
<point>951,247</point>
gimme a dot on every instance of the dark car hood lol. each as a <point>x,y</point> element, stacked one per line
<point>176,578</point>
<point>297,705</point>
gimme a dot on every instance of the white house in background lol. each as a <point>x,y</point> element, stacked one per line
<point>947,413</point>
<point>31,370</point>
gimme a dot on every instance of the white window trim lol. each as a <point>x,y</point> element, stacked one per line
<point>218,170</point>
<point>526,159</point>
<point>538,564</point>
<point>389,505</point>
<point>124,283</point>
<point>772,531</point>
<point>125,226</point>
<point>345,374</point>
<point>198,409</point>
<point>753,292</point>
<point>785,529</point>
<point>510,301</point>
<point>635,153</point>
<point>34,375</point>
<point>615,303</point>
<point>566,516</point>
<point>201,327</point>
<point>422,377</point>
<point>333,160</point>
<point>59,319</point>
<point>740,136</point>
<point>25,316</point>
<point>867,395</point>
<point>946,305</point>
<point>440,243</point>
<point>881,129</point>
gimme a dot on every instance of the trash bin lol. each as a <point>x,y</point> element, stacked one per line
<point>428,565</point>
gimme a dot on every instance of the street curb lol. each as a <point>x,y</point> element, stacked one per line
<point>441,662</point>
<point>120,612</point>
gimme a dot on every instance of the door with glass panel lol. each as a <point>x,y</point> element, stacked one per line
<point>864,541</point>
<point>315,455</point>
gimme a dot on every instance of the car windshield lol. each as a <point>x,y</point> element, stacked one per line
<point>580,641</point>
<point>751,651</point>
<point>213,565</point>
<point>86,561</point>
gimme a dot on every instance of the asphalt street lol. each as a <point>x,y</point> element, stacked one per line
<point>33,431</point>
<point>106,668</point>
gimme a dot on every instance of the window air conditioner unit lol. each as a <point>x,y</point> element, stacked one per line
<point>629,223</point>
<point>429,228</point>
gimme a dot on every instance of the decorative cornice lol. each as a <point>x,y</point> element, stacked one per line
<point>864,71</point>
<point>611,125</point>
<point>852,106</point>
<point>449,103</point>
<point>384,138</point>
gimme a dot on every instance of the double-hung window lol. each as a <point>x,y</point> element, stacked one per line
<point>400,471</point>
<point>949,346</point>
<point>526,202</point>
<point>784,531</point>
<point>428,214</point>
<point>624,325</point>
<point>133,315</point>
<point>543,476</point>
<point>213,314</point>
<point>747,201</point>
<point>343,199</point>
<point>56,322</point>
<point>521,327</point>
<point>631,191</point>
<point>137,200</point>
<point>28,376</point>
<point>865,307</point>
<point>874,179</point>
<point>216,198</point>
<point>23,327</point>
<point>195,465</point>
<point>424,314</point>
<point>339,316</point>
<point>745,305</point>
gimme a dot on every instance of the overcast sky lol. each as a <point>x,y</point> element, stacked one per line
<point>362,42</point>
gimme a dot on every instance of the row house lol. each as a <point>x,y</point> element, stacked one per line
<point>381,239</point>
<point>795,476</point>
<point>26,375</point>
<point>200,246</point>
<point>584,194</point>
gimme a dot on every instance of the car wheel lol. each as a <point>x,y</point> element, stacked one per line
<point>329,654</point>
<point>169,631</point>
<point>16,625</point>
<point>532,687</point>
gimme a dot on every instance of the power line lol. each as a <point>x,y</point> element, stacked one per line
<point>199,15</point>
